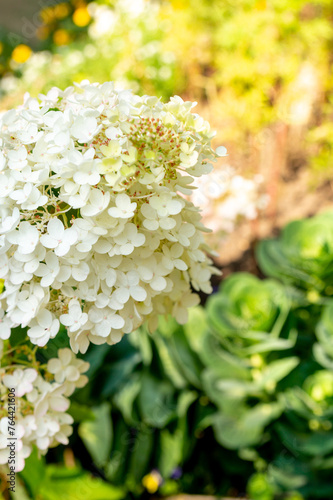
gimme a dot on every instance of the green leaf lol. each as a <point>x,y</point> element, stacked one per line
<point>20,492</point>
<point>222,363</point>
<point>246,428</point>
<point>34,472</point>
<point>277,370</point>
<point>115,469</point>
<point>186,398</point>
<point>170,451</point>
<point>196,328</point>
<point>17,335</point>
<point>270,344</point>
<point>80,412</point>
<point>141,340</point>
<point>97,434</point>
<point>315,444</point>
<point>188,362</point>
<point>287,479</point>
<point>141,453</point>
<point>174,444</point>
<point>156,403</point>
<point>125,397</point>
<point>228,394</point>
<point>169,364</point>
<point>118,372</point>
<point>319,443</point>
<point>167,326</point>
<point>95,357</point>
<point>74,484</point>
<point>321,356</point>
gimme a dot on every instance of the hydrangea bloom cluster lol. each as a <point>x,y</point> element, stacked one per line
<point>95,231</point>
<point>41,401</point>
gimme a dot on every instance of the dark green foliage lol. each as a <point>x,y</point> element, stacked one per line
<point>241,396</point>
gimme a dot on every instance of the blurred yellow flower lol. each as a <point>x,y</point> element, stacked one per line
<point>1,47</point>
<point>179,4</point>
<point>21,53</point>
<point>61,10</point>
<point>47,15</point>
<point>152,481</point>
<point>261,5</point>
<point>81,16</point>
<point>61,37</point>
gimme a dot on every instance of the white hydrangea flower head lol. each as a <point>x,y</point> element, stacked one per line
<point>41,403</point>
<point>95,231</point>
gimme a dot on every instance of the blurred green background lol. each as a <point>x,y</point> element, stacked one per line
<point>238,402</point>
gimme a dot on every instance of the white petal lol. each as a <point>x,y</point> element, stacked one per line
<point>138,293</point>
<point>158,284</point>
